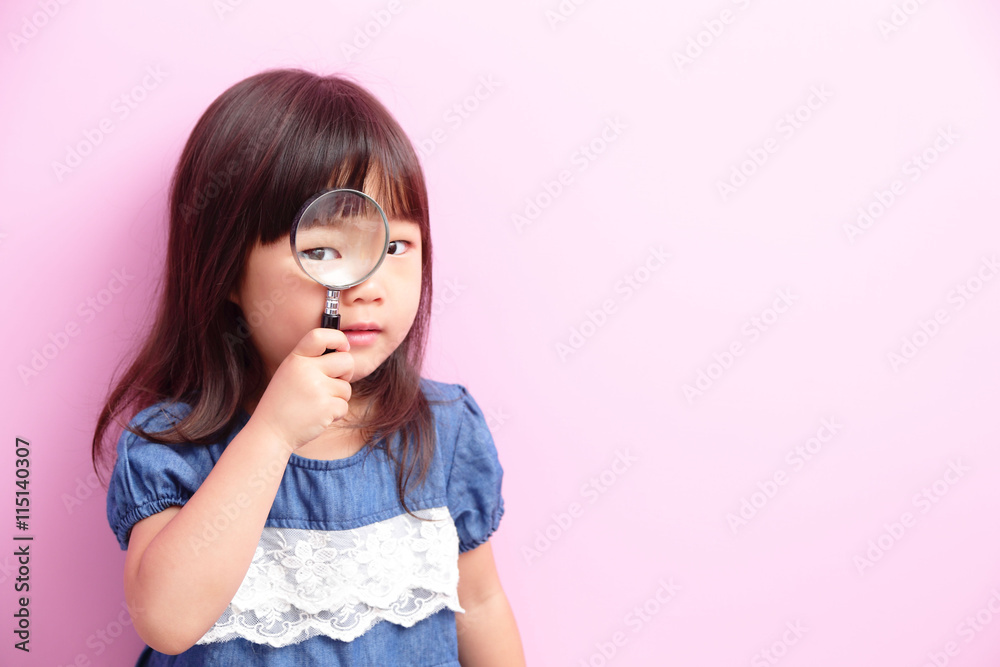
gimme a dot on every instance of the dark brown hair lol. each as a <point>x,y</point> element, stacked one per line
<point>259,151</point>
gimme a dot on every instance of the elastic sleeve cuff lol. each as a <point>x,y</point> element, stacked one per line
<point>469,545</point>
<point>132,516</point>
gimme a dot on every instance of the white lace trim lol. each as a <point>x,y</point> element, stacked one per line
<point>340,583</point>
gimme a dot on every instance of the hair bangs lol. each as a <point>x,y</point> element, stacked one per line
<point>335,136</point>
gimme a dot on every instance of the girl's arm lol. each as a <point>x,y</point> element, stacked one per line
<point>487,632</point>
<point>181,570</point>
<point>185,564</point>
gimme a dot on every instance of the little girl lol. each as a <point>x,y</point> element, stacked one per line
<point>279,505</point>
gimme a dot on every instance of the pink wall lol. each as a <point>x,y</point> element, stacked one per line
<point>870,346</point>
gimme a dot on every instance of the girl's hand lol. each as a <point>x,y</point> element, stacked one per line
<point>309,390</point>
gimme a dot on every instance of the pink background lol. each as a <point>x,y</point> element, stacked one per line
<point>649,564</point>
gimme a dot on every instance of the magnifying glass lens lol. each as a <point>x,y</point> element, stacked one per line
<point>340,238</point>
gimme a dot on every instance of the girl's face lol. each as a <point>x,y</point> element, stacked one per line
<point>281,303</point>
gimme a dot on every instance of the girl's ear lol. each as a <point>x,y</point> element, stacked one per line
<point>234,297</point>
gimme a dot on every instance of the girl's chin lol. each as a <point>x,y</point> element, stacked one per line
<point>363,368</point>
<point>361,371</point>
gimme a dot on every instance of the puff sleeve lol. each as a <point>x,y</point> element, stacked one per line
<point>474,483</point>
<point>149,477</point>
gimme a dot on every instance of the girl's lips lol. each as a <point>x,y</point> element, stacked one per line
<point>361,336</point>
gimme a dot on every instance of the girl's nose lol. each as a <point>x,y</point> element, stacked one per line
<point>369,290</point>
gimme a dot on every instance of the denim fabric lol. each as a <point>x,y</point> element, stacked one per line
<point>431,642</point>
<point>340,494</point>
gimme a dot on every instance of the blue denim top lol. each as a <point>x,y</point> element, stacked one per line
<point>327,495</point>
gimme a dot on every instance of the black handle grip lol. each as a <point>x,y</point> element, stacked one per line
<point>330,322</point>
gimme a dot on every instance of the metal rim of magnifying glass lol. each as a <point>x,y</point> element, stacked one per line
<point>310,202</point>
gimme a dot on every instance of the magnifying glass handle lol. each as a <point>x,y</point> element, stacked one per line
<point>330,322</point>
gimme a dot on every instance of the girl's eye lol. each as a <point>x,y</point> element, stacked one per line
<point>319,254</point>
<point>398,247</point>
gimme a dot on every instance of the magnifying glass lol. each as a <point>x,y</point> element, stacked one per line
<point>339,239</point>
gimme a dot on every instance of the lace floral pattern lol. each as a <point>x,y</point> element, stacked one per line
<point>339,583</point>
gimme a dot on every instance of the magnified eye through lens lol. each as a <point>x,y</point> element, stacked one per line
<point>340,238</point>
<point>319,254</point>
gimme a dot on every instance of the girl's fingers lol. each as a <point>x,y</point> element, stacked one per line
<point>317,341</point>
<point>315,344</point>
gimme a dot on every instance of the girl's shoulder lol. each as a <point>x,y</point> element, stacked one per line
<point>150,476</point>
<point>451,403</point>
<point>440,391</point>
<point>458,419</point>
<point>160,416</point>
